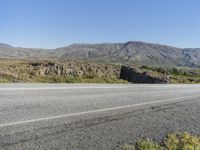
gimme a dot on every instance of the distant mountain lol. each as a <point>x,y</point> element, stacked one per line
<point>125,53</point>
<point>2,45</point>
<point>192,57</point>
<point>7,51</point>
<point>132,53</point>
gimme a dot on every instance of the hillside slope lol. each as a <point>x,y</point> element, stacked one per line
<point>7,51</point>
<point>124,53</point>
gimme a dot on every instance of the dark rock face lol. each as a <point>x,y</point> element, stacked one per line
<point>137,76</point>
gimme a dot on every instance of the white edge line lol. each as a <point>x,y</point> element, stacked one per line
<point>96,111</point>
<point>58,88</point>
<point>62,88</point>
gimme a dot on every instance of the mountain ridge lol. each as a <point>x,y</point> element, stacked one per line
<point>128,53</point>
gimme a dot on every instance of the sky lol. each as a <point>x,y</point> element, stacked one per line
<point>58,23</point>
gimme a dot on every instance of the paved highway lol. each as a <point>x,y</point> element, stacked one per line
<point>29,111</point>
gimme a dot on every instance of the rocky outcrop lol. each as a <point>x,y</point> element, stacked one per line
<point>77,69</point>
<point>136,75</point>
<point>23,71</point>
<point>74,69</point>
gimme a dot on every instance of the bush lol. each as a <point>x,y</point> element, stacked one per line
<point>175,141</point>
<point>182,141</point>
<point>148,145</point>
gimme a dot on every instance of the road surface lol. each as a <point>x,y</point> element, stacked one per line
<point>53,116</point>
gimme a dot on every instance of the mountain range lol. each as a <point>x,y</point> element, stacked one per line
<point>128,53</point>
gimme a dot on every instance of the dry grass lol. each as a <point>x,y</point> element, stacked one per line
<point>175,141</point>
<point>63,79</point>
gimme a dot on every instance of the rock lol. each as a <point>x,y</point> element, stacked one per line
<point>136,75</point>
<point>74,69</point>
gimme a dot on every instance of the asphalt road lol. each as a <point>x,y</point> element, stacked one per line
<point>76,116</point>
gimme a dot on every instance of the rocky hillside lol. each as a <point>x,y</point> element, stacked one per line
<point>74,71</point>
<point>132,53</point>
<point>122,53</point>
<point>7,51</point>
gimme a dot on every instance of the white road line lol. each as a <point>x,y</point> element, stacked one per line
<point>84,87</point>
<point>97,111</point>
<point>63,88</point>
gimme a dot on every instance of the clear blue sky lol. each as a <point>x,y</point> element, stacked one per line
<point>55,23</point>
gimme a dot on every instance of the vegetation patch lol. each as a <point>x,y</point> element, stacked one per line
<point>4,78</point>
<point>175,141</point>
<point>64,79</point>
<point>178,74</point>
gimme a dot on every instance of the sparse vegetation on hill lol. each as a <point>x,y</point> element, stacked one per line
<point>62,79</point>
<point>71,71</point>
<point>179,74</point>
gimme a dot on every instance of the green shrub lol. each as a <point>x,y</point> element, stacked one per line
<point>2,80</point>
<point>175,141</point>
<point>148,145</point>
<point>182,141</point>
<point>6,78</point>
